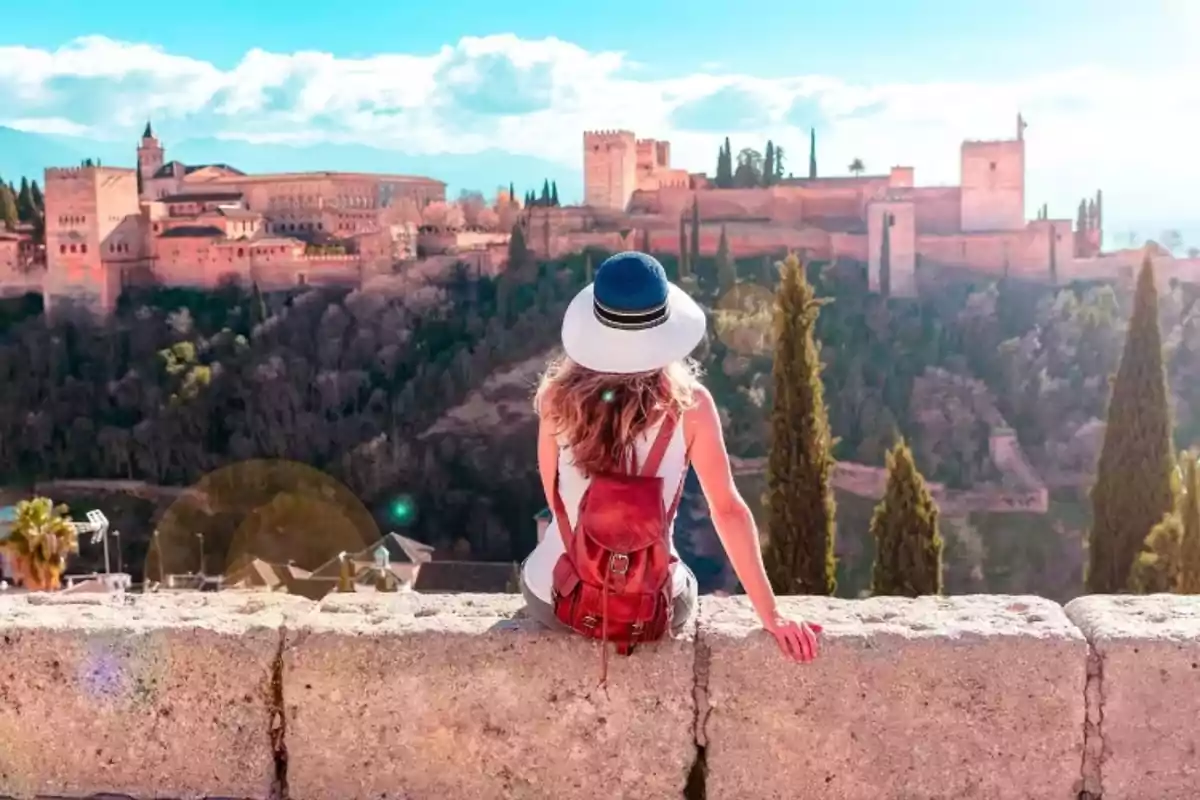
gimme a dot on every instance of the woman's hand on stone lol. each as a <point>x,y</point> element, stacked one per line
<point>797,640</point>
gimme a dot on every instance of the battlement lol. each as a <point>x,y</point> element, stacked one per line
<point>601,137</point>
<point>264,691</point>
<point>75,173</point>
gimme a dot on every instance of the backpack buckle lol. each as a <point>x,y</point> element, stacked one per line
<point>618,564</point>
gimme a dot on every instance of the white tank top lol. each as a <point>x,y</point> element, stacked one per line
<point>572,483</point>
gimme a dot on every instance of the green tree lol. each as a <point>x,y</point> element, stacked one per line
<point>726,268</point>
<point>768,172</point>
<point>39,542</point>
<point>25,207</point>
<point>1133,488</point>
<point>799,499</point>
<point>554,193</point>
<point>518,251</point>
<point>512,192</point>
<point>544,200</point>
<point>908,547</point>
<point>8,207</point>
<point>695,251</point>
<point>724,178</point>
<point>683,247</point>
<point>1189,513</point>
<point>857,167</point>
<point>39,199</point>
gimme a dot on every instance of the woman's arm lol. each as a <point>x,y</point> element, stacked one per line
<point>736,527</point>
<point>547,456</point>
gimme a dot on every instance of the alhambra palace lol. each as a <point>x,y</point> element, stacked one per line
<point>172,224</point>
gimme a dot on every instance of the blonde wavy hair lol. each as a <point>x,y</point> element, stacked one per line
<point>600,416</point>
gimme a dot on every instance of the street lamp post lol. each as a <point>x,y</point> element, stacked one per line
<point>120,563</point>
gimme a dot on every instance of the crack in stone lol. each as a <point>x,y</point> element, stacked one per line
<point>1092,768</point>
<point>277,722</point>
<point>696,787</point>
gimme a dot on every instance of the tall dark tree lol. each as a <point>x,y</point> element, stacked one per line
<point>512,192</point>
<point>1189,513</point>
<point>544,200</point>
<point>885,255</point>
<point>799,499</point>
<point>8,208</point>
<point>683,247</point>
<point>726,268</point>
<point>554,193</point>
<point>1081,217</point>
<point>768,172</point>
<point>38,199</point>
<point>695,251</point>
<point>724,178</point>
<point>1133,487</point>
<point>26,210</point>
<point>812,153</point>
<point>908,546</point>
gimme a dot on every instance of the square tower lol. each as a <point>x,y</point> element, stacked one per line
<point>84,206</point>
<point>609,168</point>
<point>993,185</point>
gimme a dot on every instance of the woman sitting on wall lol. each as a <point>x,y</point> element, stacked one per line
<point>621,417</point>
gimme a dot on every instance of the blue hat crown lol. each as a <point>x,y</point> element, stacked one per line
<point>630,292</point>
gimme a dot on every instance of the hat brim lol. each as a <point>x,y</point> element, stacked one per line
<point>593,345</point>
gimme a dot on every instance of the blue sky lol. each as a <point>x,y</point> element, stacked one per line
<point>1108,86</point>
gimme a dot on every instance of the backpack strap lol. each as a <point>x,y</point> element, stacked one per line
<point>560,516</point>
<point>659,448</point>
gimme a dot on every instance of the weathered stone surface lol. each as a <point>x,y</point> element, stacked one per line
<point>930,698</point>
<point>1144,699</point>
<point>149,695</point>
<point>428,697</point>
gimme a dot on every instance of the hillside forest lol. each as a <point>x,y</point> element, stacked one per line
<point>358,385</point>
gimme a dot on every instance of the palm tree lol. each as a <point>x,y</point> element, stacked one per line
<point>39,542</point>
<point>856,166</point>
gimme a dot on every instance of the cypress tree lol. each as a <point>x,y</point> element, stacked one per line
<point>1133,488</point>
<point>545,198</point>
<point>726,268</point>
<point>8,208</point>
<point>554,193</point>
<point>908,547</point>
<point>39,199</point>
<point>812,152</point>
<point>768,173</point>
<point>885,256</point>
<point>512,192</point>
<point>1189,513</point>
<point>25,207</point>
<point>695,252</point>
<point>683,247</point>
<point>799,498</point>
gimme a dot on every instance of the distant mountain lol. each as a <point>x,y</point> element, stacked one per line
<point>29,154</point>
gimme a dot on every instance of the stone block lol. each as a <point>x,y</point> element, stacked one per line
<point>148,695</point>
<point>932,698</point>
<point>457,696</point>
<point>1144,695</point>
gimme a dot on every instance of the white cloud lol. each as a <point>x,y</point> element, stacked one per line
<point>1107,126</point>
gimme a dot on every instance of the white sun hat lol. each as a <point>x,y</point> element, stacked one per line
<point>631,319</point>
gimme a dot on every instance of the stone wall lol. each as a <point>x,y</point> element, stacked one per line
<point>420,696</point>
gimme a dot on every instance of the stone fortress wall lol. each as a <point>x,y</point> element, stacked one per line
<point>978,225</point>
<point>423,696</point>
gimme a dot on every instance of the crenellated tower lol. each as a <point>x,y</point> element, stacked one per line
<point>151,156</point>
<point>87,212</point>
<point>610,160</point>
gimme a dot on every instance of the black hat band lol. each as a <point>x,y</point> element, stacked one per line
<point>631,320</point>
